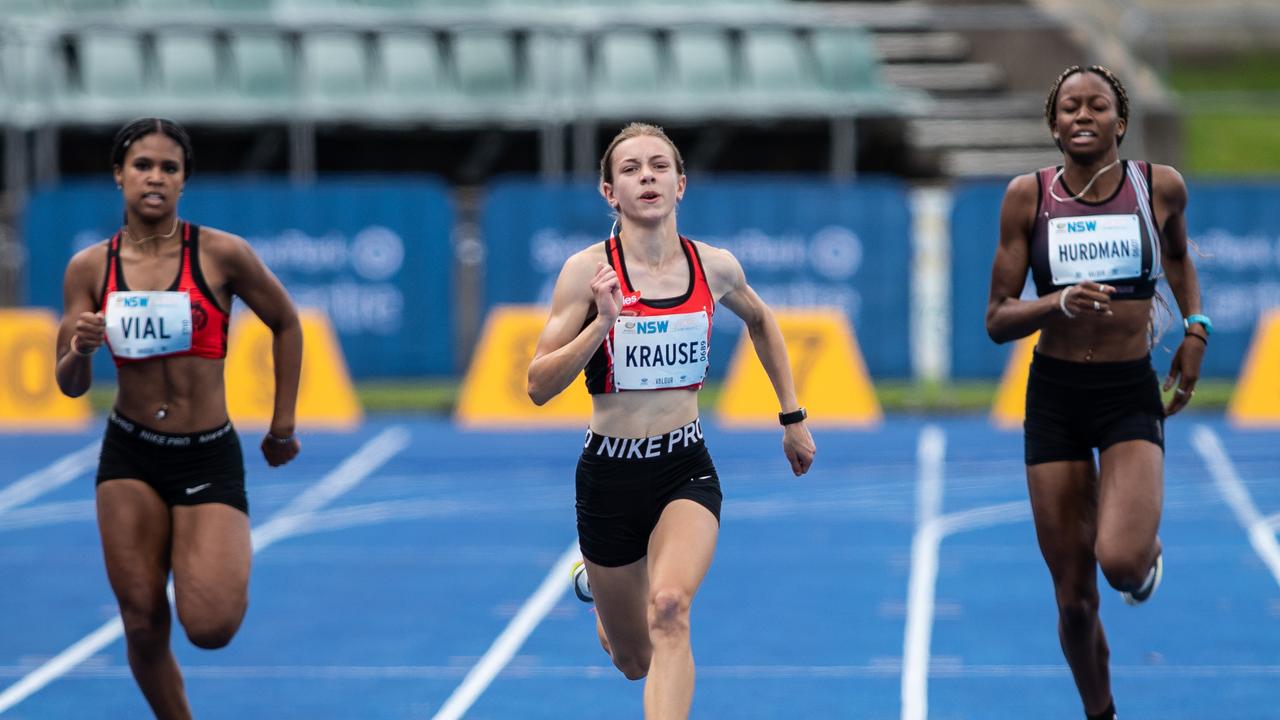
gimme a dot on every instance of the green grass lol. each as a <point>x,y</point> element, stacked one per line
<point>436,397</point>
<point>1232,144</point>
<point>896,396</point>
<point>1242,138</point>
<point>102,396</point>
<point>976,396</point>
<point>1253,71</point>
<point>930,397</point>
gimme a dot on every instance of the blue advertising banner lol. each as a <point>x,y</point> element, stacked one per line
<point>975,229</point>
<point>1236,231</point>
<point>1235,226</point>
<point>374,255</point>
<point>801,242</point>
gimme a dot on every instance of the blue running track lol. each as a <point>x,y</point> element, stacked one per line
<point>898,580</point>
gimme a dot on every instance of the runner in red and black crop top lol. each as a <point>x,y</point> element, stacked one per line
<point>1096,234</point>
<point>635,313</point>
<point>170,481</point>
<point>209,321</point>
<point>686,360</point>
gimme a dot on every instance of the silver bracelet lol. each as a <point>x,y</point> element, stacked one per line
<point>1062,301</point>
<point>280,440</point>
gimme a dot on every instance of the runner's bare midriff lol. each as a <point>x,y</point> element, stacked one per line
<point>642,413</point>
<point>1123,335</point>
<point>189,388</point>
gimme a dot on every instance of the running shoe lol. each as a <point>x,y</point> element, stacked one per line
<point>581,586</point>
<point>1142,594</point>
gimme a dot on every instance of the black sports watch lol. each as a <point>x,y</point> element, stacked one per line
<point>793,417</point>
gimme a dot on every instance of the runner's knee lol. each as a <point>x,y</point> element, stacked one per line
<point>146,625</point>
<point>634,666</point>
<point>211,634</point>
<point>1124,570</point>
<point>1077,610</point>
<point>669,613</point>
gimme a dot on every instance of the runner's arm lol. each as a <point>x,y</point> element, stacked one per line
<point>568,340</point>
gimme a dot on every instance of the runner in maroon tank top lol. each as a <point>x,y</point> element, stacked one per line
<point>1096,234</point>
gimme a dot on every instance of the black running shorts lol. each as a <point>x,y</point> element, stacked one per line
<point>1073,407</point>
<point>624,484</point>
<point>186,469</point>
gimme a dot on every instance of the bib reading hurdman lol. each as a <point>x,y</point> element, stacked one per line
<point>1114,241</point>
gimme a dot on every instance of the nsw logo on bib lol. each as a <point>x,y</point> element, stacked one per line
<point>1094,247</point>
<point>147,324</point>
<point>662,351</point>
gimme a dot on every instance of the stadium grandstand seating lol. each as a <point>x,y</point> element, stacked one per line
<point>702,63</point>
<point>628,70</point>
<point>412,71</point>
<point>929,97</point>
<point>262,70</point>
<point>187,66</point>
<point>110,68</point>
<point>335,70</point>
<point>486,64</point>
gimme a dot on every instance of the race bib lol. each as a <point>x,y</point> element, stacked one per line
<point>1094,247</point>
<point>147,324</point>
<point>655,353</point>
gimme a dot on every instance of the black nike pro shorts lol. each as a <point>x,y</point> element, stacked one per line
<point>184,469</point>
<point>1073,407</point>
<point>624,484</point>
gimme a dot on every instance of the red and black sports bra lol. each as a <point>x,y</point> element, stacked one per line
<point>209,321</point>
<point>656,344</point>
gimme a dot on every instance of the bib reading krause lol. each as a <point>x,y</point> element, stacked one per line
<point>657,352</point>
<point>148,324</point>
<point>1094,247</point>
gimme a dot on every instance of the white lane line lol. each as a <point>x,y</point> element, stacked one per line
<point>241,673</point>
<point>341,479</point>
<point>50,478</point>
<point>351,472</point>
<point>932,527</point>
<point>1261,533</point>
<point>1273,522</point>
<point>509,642</point>
<point>983,517</point>
<point>377,513</point>
<point>385,511</point>
<point>930,457</point>
<point>51,513</point>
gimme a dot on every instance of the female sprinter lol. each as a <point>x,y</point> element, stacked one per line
<point>1095,233</point>
<point>636,313</point>
<point>170,485</point>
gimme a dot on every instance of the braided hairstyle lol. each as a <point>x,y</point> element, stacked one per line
<point>1117,87</point>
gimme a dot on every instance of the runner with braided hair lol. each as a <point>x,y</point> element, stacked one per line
<point>1096,232</point>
